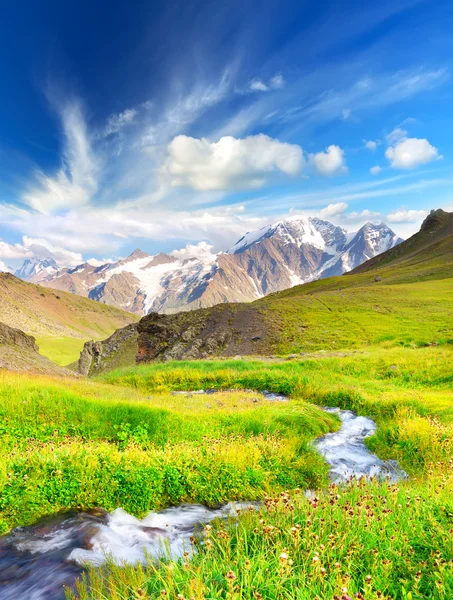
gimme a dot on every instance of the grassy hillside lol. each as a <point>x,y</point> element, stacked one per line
<point>355,312</point>
<point>19,352</point>
<point>402,298</point>
<point>60,322</point>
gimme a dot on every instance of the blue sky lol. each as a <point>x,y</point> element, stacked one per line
<point>162,124</point>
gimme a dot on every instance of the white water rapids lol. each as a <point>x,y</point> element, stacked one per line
<point>37,561</point>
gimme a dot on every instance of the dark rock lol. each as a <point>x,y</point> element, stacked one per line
<point>15,337</point>
<point>96,355</point>
<point>221,331</point>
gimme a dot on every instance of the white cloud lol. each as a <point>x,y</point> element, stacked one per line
<point>76,181</point>
<point>330,162</point>
<point>94,262</point>
<point>230,163</point>
<point>333,210</point>
<point>364,214</point>
<point>43,249</point>
<point>4,268</point>
<point>202,251</point>
<point>117,122</point>
<point>277,82</point>
<point>406,216</point>
<point>397,135</point>
<point>13,251</point>
<point>371,145</point>
<point>258,86</point>
<point>410,153</point>
<point>375,170</point>
<point>346,114</point>
<point>40,248</point>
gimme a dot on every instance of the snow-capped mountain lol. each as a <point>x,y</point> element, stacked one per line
<point>37,270</point>
<point>293,251</point>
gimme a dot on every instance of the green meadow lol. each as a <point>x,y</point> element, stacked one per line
<point>68,444</point>
<point>370,540</point>
<point>124,440</point>
<point>61,350</point>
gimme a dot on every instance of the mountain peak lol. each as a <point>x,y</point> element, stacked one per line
<point>436,221</point>
<point>137,253</point>
<point>160,259</point>
<point>298,230</point>
<point>34,269</point>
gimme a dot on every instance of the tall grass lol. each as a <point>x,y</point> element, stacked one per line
<point>367,541</point>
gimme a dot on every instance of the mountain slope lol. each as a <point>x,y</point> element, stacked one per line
<point>432,245</point>
<point>56,319</point>
<point>19,352</point>
<point>293,251</point>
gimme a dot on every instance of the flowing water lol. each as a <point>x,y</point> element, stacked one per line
<point>37,561</point>
<point>347,455</point>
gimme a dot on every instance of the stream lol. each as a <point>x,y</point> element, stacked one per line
<point>37,561</point>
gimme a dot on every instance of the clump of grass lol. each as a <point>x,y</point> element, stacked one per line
<point>368,541</point>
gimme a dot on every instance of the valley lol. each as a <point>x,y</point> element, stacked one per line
<point>226,300</point>
<point>60,322</point>
<point>178,409</point>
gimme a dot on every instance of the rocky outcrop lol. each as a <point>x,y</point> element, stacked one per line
<point>15,337</point>
<point>19,352</point>
<point>120,349</point>
<point>224,330</point>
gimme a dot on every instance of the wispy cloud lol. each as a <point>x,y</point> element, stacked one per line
<point>116,122</point>
<point>76,182</point>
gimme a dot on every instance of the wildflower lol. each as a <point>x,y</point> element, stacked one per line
<point>231,575</point>
<point>283,557</point>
